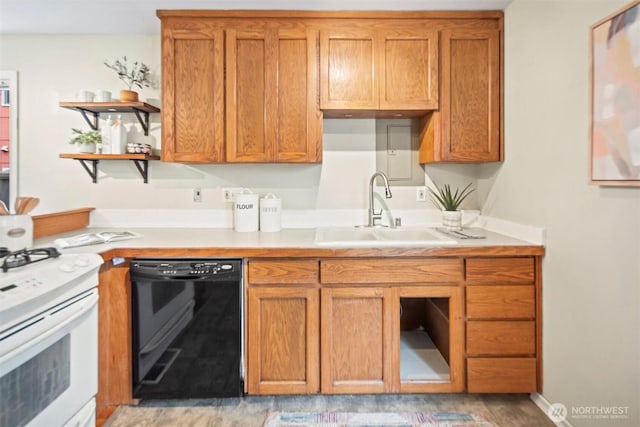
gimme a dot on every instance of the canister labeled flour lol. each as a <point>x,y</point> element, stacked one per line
<point>270,213</point>
<point>245,211</point>
<point>16,231</point>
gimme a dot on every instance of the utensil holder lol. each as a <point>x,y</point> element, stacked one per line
<point>16,231</point>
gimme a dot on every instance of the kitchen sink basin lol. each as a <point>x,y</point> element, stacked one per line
<point>375,237</point>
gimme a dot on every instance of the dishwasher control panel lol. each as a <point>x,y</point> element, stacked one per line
<point>192,268</point>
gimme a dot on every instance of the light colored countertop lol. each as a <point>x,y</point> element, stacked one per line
<point>287,242</point>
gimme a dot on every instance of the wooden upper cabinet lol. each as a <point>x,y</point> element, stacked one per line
<point>250,136</point>
<point>408,67</point>
<point>254,86</point>
<point>388,69</point>
<point>347,76</point>
<point>272,108</point>
<point>192,94</point>
<point>467,126</point>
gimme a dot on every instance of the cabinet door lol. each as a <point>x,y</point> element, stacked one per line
<point>467,126</point>
<point>282,338</point>
<point>298,117</point>
<point>193,94</point>
<point>250,95</point>
<point>347,70</point>
<point>272,103</point>
<point>357,340</point>
<point>408,70</point>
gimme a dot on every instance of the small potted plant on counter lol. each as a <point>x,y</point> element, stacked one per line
<point>449,201</point>
<point>86,141</point>
<point>139,75</point>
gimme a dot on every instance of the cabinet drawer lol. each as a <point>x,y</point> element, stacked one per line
<point>501,338</point>
<point>501,375</point>
<point>500,270</point>
<point>501,302</point>
<point>282,271</point>
<point>388,270</point>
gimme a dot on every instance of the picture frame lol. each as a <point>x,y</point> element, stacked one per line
<point>615,98</point>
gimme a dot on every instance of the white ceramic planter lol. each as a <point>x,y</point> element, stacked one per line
<point>452,220</point>
<point>86,148</point>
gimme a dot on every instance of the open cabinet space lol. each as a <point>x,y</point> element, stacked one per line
<point>428,338</point>
<point>421,359</point>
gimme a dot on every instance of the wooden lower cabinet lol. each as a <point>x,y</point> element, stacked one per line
<point>114,338</point>
<point>357,340</point>
<point>501,375</point>
<point>282,342</point>
<point>503,337</point>
<point>359,325</point>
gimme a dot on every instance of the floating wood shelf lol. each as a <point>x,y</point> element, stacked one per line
<point>140,109</point>
<point>140,160</point>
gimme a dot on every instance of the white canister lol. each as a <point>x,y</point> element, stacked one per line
<point>245,211</point>
<point>270,213</point>
<point>16,231</point>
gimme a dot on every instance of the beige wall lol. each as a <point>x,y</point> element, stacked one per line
<point>591,271</point>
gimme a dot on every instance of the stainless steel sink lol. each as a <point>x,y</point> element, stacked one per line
<point>376,237</point>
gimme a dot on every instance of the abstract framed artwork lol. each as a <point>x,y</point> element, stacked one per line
<point>615,98</point>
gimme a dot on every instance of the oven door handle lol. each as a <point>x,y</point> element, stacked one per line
<point>51,322</point>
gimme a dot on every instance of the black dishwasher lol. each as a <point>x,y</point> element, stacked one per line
<point>186,328</point>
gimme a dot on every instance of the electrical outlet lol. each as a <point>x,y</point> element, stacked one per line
<point>229,193</point>
<point>197,195</point>
<point>421,194</point>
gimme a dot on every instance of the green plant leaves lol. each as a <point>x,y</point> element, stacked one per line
<point>139,75</point>
<point>448,200</point>
<point>88,137</point>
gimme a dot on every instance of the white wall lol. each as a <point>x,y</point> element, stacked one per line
<point>53,68</point>
<point>591,269</point>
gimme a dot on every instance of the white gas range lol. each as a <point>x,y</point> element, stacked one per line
<point>48,338</point>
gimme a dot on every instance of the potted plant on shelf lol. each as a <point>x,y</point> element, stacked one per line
<point>86,141</point>
<point>139,75</point>
<point>450,201</point>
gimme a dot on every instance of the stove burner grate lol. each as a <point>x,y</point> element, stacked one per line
<point>28,256</point>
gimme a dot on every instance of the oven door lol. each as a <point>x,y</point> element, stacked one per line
<point>48,364</point>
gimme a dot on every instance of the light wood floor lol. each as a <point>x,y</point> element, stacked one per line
<point>251,411</point>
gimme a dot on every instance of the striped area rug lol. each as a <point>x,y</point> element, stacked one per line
<point>374,419</point>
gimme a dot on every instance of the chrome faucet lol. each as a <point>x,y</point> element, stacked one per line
<point>373,215</point>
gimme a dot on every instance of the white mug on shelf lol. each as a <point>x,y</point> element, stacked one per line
<point>85,96</point>
<point>103,96</point>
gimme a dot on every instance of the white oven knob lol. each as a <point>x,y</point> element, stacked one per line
<point>67,268</point>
